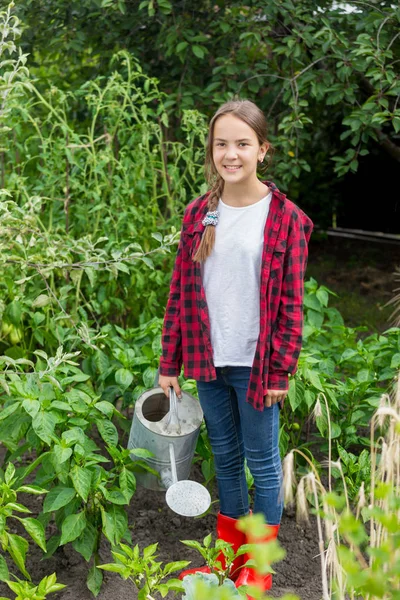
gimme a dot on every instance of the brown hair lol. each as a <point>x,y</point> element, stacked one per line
<point>254,117</point>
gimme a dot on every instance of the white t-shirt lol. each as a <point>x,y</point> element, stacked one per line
<point>231,281</point>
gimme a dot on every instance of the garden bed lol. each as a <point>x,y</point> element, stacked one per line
<point>152,521</point>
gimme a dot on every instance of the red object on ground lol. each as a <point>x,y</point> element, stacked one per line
<point>226,530</point>
<point>248,575</point>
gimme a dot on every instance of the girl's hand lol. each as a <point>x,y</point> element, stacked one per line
<point>166,381</point>
<point>275,396</point>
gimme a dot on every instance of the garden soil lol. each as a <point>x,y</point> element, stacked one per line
<point>152,521</point>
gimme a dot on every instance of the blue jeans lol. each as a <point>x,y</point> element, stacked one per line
<point>236,431</point>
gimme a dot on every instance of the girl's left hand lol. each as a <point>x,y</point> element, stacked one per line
<point>275,396</point>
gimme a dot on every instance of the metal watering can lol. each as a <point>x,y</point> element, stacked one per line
<point>169,428</point>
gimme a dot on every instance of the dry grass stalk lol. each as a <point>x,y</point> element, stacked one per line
<point>387,417</point>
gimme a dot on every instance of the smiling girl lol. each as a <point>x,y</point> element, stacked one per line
<point>234,318</point>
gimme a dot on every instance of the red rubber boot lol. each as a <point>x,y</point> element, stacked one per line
<point>247,575</point>
<point>226,530</point>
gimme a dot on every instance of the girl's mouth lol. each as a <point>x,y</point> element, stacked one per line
<point>232,168</point>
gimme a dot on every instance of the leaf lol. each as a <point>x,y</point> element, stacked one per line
<point>52,545</point>
<point>32,489</point>
<point>85,543</point>
<point>6,412</point>
<point>94,580</point>
<point>31,406</point>
<point>141,452</point>
<point>323,297</point>
<point>181,46</point>
<point>296,393</point>
<point>395,362</point>
<point>108,432</point>
<point>4,574</point>
<point>35,530</point>
<point>124,378</point>
<point>17,507</point>
<point>115,523</point>
<point>198,51</point>
<point>315,380</point>
<point>81,479</point>
<point>127,483</point>
<point>18,547</point>
<point>61,454</point>
<point>57,498</point>
<point>105,407</point>
<point>175,566</point>
<point>43,424</point>
<point>41,300</point>
<point>72,527</point>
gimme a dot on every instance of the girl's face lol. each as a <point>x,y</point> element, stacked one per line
<point>236,149</point>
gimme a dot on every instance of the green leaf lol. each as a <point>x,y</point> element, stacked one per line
<point>85,543</point>
<point>32,489</point>
<point>35,530</point>
<point>81,480</point>
<point>315,318</point>
<point>57,498</point>
<point>94,580</point>
<point>108,432</point>
<point>198,51</point>
<point>4,574</point>
<point>127,483</point>
<point>395,362</point>
<point>123,377</point>
<point>61,454</point>
<point>313,302</point>
<point>43,424</point>
<point>115,523</point>
<point>14,312</point>
<point>323,297</point>
<point>296,393</point>
<point>41,301</point>
<point>116,568</point>
<point>6,412</point>
<point>72,527</point>
<point>175,566</point>
<point>181,46</point>
<point>106,408</point>
<point>52,545</point>
<point>18,547</point>
<point>315,379</point>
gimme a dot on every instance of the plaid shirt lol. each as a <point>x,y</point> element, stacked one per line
<point>186,331</point>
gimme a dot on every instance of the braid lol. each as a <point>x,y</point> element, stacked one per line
<point>208,238</point>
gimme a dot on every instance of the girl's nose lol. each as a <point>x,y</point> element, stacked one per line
<point>231,153</point>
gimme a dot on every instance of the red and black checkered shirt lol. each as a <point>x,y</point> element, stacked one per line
<point>186,331</point>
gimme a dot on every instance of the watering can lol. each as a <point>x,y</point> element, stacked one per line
<point>169,428</point>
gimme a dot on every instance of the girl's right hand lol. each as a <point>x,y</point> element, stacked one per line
<point>165,381</point>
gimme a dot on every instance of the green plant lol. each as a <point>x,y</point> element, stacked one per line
<point>144,571</point>
<point>15,545</point>
<point>25,590</point>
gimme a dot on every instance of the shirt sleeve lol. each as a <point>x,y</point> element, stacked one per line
<point>287,332</point>
<point>171,337</point>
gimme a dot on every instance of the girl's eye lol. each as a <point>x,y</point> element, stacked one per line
<point>240,144</point>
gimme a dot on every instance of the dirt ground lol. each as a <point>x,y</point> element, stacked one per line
<point>361,273</point>
<point>152,521</point>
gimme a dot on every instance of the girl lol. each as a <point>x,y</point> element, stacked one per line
<point>234,318</point>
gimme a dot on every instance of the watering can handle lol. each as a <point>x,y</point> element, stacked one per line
<point>173,409</point>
